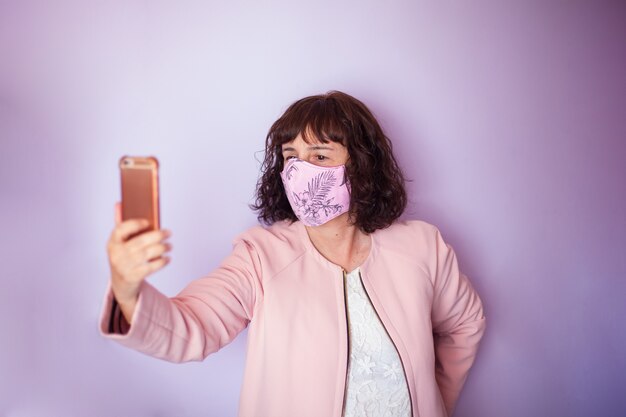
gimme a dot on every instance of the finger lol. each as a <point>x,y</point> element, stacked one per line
<point>152,266</point>
<point>138,271</point>
<point>145,254</point>
<point>152,252</point>
<point>118,213</point>
<point>125,229</point>
<point>147,238</point>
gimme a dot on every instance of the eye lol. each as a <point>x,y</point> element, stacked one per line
<point>289,157</point>
<point>320,158</point>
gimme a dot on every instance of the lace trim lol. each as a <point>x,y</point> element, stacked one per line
<point>376,385</point>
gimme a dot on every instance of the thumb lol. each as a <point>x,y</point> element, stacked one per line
<point>118,213</point>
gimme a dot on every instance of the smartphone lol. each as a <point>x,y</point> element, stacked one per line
<point>140,189</point>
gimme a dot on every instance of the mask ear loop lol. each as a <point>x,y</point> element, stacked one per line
<point>346,180</point>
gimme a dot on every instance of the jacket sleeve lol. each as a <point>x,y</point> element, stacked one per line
<point>206,315</point>
<point>458,323</point>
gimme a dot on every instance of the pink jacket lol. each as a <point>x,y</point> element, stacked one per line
<point>292,300</point>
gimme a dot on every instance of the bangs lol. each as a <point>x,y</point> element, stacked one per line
<point>316,119</point>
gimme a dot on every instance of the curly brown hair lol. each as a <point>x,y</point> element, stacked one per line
<point>377,193</point>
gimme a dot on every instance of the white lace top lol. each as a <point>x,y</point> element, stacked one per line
<point>376,384</point>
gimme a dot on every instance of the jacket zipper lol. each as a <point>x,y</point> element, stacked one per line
<point>347,314</point>
<point>388,335</point>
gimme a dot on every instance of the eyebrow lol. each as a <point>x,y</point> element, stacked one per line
<point>315,148</point>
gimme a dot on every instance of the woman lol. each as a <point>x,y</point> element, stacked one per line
<point>349,311</point>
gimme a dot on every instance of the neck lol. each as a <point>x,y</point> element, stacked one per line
<point>341,242</point>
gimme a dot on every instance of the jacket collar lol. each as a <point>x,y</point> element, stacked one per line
<point>303,235</point>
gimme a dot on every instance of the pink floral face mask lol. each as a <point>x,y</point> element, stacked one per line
<point>316,194</point>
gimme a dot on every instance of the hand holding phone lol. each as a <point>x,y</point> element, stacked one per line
<point>136,245</point>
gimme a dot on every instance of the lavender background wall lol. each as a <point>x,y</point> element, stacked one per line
<point>510,120</point>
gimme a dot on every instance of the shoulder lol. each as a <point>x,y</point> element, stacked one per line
<point>407,231</point>
<point>279,233</point>
<point>274,246</point>
<point>411,238</point>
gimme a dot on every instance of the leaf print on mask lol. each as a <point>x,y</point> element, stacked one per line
<point>290,171</point>
<point>314,192</point>
<point>309,203</point>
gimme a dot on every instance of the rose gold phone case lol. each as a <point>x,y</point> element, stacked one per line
<point>140,189</point>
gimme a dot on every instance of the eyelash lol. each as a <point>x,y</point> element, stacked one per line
<point>318,157</point>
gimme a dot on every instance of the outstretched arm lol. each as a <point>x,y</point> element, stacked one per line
<point>203,317</point>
